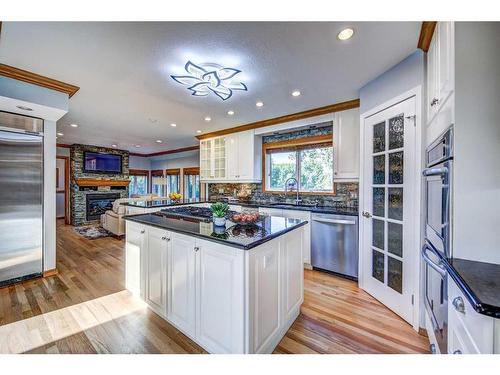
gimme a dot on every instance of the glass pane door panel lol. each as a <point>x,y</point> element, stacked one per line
<point>396,132</point>
<point>378,233</point>
<point>395,274</point>
<point>379,201</point>
<point>396,168</point>
<point>379,137</point>
<point>395,238</point>
<point>395,203</point>
<point>379,169</point>
<point>378,265</point>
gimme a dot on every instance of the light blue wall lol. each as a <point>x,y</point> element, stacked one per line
<point>404,76</point>
<point>27,92</point>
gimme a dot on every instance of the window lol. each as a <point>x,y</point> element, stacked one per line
<point>138,182</point>
<point>309,160</point>
<point>173,180</point>
<point>158,182</point>
<point>191,183</point>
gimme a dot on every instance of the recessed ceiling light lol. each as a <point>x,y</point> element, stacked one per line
<point>296,93</point>
<point>137,146</point>
<point>259,104</point>
<point>230,113</point>
<point>74,125</point>
<point>159,141</point>
<point>173,125</point>
<point>60,134</point>
<point>24,108</point>
<point>198,131</point>
<point>208,119</point>
<point>113,146</point>
<point>345,34</point>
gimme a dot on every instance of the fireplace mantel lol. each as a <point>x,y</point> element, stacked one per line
<point>100,182</point>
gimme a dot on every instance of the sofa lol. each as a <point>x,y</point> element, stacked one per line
<point>112,220</point>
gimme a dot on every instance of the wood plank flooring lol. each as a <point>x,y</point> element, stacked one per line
<point>86,309</point>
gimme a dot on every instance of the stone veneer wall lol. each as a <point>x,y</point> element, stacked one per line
<point>346,194</point>
<point>78,197</point>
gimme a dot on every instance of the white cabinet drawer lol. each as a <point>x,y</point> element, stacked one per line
<point>475,331</point>
<point>270,211</point>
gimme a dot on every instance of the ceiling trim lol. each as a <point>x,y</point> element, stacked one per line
<point>426,33</point>
<point>174,151</point>
<point>337,107</point>
<point>37,79</point>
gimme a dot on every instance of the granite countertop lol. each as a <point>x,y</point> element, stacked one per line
<point>480,283</point>
<point>351,211</point>
<point>241,236</point>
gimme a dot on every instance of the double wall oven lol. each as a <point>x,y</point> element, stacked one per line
<point>437,247</point>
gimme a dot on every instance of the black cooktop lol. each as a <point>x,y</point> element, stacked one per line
<point>202,213</point>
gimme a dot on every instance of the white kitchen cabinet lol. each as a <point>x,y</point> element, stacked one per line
<point>213,162</point>
<point>271,211</point>
<point>241,154</point>
<point>291,266</point>
<point>220,301</point>
<point>182,278</point>
<point>156,285</point>
<point>346,145</point>
<point>440,68</point>
<point>468,331</point>
<point>264,273</point>
<point>306,238</point>
<point>135,247</point>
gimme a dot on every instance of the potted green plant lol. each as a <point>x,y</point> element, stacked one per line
<point>219,211</point>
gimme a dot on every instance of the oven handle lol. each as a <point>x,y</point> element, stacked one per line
<point>437,267</point>
<point>435,171</point>
<point>335,221</point>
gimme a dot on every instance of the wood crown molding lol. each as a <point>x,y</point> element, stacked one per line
<point>98,182</point>
<point>37,79</point>
<point>337,107</point>
<point>426,33</point>
<point>174,151</point>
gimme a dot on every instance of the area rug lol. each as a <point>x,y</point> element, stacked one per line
<point>92,232</point>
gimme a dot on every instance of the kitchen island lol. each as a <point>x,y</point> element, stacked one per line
<point>232,289</point>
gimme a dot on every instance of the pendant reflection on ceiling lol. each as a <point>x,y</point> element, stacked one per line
<point>204,79</point>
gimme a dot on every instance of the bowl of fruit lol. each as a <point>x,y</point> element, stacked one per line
<point>245,218</point>
<point>176,197</point>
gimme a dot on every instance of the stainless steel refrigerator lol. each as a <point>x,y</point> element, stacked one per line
<point>21,197</point>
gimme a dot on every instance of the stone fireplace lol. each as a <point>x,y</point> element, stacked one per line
<point>93,193</point>
<point>97,204</point>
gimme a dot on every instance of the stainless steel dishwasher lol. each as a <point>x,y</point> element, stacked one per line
<point>334,244</point>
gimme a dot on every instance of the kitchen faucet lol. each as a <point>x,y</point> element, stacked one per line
<point>297,199</point>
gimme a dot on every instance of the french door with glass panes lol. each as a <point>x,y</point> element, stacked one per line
<point>388,209</point>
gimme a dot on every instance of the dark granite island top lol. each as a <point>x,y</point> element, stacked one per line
<point>351,211</point>
<point>241,236</point>
<point>480,283</point>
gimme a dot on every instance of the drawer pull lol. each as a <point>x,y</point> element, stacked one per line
<point>458,304</point>
<point>142,231</point>
<point>196,249</point>
<point>458,351</point>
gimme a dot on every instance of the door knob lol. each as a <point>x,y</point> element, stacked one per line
<point>196,249</point>
<point>366,214</point>
<point>458,304</point>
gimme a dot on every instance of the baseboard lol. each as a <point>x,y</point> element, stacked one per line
<point>307,266</point>
<point>49,273</point>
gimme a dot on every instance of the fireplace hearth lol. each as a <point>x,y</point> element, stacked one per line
<point>97,204</point>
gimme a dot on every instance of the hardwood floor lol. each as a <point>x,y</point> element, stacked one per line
<point>86,309</point>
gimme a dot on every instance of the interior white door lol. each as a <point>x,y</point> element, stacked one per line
<point>388,253</point>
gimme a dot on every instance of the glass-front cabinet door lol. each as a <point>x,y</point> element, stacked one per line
<point>206,159</point>
<point>213,159</point>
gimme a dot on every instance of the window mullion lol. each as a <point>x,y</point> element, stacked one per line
<point>297,172</point>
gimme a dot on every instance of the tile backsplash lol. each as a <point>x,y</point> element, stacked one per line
<point>346,194</point>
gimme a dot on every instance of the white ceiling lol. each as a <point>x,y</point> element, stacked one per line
<point>123,70</point>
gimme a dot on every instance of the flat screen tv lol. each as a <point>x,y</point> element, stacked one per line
<point>95,162</point>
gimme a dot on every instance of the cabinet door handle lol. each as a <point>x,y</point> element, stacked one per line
<point>458,351</point>
<point>164,238</point>
<point>434,102</point>
<point>432,348</point>
<point>142,231</point>
<point>366,214</point>
<point>458,304</point>
<point>196,249</point>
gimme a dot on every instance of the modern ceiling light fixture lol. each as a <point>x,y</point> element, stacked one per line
<point>296,93</point>
<point>230,113</point>
<point>159,141</point>
<point>114,145</point>
<point>208,119</point>
<point>173,125</point>
<point>345,34</point>
<point>60,134</point>
<point>259,104</point>
<point>73,125</point>
<point>207,78</point>
<point>198,131</point>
